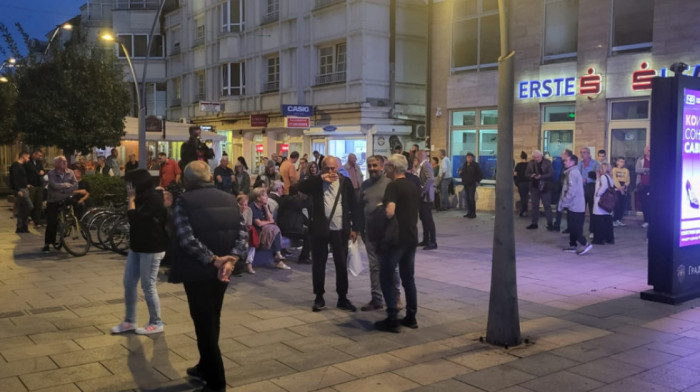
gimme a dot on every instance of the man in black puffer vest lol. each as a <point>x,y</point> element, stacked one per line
<point>210,239</point>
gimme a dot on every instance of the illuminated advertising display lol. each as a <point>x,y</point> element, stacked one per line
<point>690,169</point>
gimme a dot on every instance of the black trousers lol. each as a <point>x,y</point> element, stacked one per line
<point>425,213</point>
<point>51,223</point>
<point>589,194</point>
<point>319,257</point>
<point>602,229</point>
<point>36,194</point>
<point>524,191</point>
<point>205,299</point>
<point>470,195</point>
<point>574,221</point>
<point>546,198</point>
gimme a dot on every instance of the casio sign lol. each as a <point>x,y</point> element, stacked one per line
<point>297,110</point>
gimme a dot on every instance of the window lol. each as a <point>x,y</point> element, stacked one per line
<point>558,123</point>
<point>232,16</point>
<point>199,33</point>
<point>175,40</point>
<point>136,4</point>
<point>561,29</point>
<point>233,79</point>
<point>629,110</point>
<point>201,91</point>
<point>475,131</point>
<point>156,94</point>
<point>137,45</point>
<point>271,12</point>
<point>332,63</point>
<point>273,74</point>
<point>475,35</point>
<point>632,25</point>
<point>177,92</point>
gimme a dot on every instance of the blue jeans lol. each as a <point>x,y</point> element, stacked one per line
<point>142,266</point>
<point>405,258</point>
<point>444,194</point>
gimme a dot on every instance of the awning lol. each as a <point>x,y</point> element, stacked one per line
<point>174,132</point>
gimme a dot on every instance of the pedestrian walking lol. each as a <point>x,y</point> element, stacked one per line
<point>148,241</point>
<point>573,200</point>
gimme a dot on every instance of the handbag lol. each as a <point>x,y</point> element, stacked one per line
<point>253,237</point>
<point>608,199</point>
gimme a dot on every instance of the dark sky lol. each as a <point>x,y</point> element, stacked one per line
<point>38,17</point>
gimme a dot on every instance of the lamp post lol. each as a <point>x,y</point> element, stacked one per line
<point>65,26</point>
<point>142,131</point>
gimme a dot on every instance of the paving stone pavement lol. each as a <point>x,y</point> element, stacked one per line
<point>586,328</point>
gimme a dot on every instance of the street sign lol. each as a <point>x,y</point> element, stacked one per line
<point>215,107</point>
<point>297,122</point>
<point>258,120</point>
<point>297,110</point>
<point>154,124</point>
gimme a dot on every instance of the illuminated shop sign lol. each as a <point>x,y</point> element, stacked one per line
<point>591,83</point>
<point>588,84</point>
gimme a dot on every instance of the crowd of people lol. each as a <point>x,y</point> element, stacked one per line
<point>582,186</point>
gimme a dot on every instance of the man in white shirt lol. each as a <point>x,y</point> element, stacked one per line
<point>444,179</point>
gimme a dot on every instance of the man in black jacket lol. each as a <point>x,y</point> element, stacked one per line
<point>35,177</point>
<point>210,239</point>
<point>471,177</point>
<point>334,221</point>
<point>18,183</point>
<point>194,149</point>
<point>540,173</point>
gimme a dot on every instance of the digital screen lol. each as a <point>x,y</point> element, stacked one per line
<point>690,170</point>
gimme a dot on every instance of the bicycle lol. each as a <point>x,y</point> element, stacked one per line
<point>73,236</point>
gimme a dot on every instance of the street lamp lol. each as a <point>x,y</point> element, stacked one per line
<point>65,26</point>
<point>110,38</point>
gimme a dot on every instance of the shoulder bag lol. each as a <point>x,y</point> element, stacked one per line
<point>608,199</point>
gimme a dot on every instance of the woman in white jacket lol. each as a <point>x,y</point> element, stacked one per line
<point>601,220</point>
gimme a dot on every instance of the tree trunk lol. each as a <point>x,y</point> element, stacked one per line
<point>503,326</point>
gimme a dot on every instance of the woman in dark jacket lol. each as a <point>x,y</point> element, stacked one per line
<point>148,241</point>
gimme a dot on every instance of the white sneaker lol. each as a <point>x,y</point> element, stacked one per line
<point>645,225</point>
<point>149,329</point>
<point>616,223</point>
<point>124,326</point>
<point>590,236</point>
<point>585,250</point>
<point>621,223</point>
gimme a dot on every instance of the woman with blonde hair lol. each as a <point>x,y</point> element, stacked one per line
<point>601,220</point>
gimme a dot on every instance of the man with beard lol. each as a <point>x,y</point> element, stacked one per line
<point>372,203</point>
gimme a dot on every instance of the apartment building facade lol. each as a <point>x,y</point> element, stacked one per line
<point>582,75</point>
<point>276,76</point>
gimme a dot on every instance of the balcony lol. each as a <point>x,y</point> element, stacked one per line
<point>337,77</point>
<point>326,3</point>
<point>271,87</point>
<point>137,4</point>
<point>270,18</point>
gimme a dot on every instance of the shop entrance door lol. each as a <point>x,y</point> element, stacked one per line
<point>341,148</point>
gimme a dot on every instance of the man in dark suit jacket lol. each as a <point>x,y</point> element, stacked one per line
<point>194,149</point>
<point>334,221</point>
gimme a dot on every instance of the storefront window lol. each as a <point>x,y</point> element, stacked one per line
<point>478,137</point>
<point>344,147</point>
<point>629,110</point>
<point>558,133</point>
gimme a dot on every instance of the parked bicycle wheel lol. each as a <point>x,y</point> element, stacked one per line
<point>93,225</point>
<point>104,229</point>
<point>119,237</point>
<point>75,238</point>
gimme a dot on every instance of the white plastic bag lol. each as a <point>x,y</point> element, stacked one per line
<point>355,266</point>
